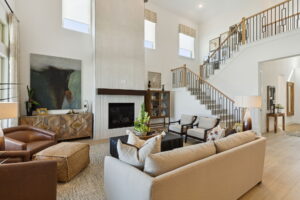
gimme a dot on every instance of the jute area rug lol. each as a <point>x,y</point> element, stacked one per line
<point>88,185</point>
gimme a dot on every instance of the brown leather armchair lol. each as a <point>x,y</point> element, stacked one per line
<point>28,138</point>
<point>34,180</point>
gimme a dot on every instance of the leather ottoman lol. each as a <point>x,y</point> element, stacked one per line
<point>71,158</point>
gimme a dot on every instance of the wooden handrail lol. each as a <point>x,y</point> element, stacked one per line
<point>279,4</point>
<point>186,68</point>
<point>227,38</point>
<point>277,21</point>
<point>242,24</point>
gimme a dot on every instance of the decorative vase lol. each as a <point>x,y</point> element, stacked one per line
<point>29,108</point>
<point>149,85</point>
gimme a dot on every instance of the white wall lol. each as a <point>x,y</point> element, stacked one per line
<point>165,57</point>
<point>41,32</point>
<point>119,57</point>
<point>185,103</point>
<point>221,22</point>
<point>277,73</point>
<point>240,76</point>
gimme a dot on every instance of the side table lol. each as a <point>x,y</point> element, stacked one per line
<point>276,115</point>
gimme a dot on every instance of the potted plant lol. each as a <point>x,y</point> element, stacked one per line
<point>31,102</point>
<point>279,107</point>
<point>141,124</point>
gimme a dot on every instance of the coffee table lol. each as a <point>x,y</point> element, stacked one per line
<point>169,142</point>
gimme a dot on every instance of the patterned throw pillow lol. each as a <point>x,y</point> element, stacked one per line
<point>216,134</point>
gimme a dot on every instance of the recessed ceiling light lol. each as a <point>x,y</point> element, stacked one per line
<point>200,6</point>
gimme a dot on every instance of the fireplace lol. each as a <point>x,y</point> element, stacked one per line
<point>120,115</point>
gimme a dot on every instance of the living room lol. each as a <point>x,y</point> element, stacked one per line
<point>97,96</point>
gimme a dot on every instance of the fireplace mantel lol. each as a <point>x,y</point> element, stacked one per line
<point>106,91</point>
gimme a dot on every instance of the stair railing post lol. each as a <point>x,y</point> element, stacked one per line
<point>184,76</point>
<point>202,71</point>
<point>244,30</point>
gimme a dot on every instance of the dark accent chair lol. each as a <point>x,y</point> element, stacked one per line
<point>181,126</point>
<point>34,180</point>
<point>28,138</point>
<point>201,128</point>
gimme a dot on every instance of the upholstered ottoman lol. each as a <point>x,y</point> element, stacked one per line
<point>71,158</point>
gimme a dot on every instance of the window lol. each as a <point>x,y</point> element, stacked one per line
<point>187,37</point>
<point>150,24</point>
<point>76,15</point>
<point>149,35</point>
<point>186,46</point>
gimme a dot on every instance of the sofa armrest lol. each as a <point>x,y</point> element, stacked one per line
<point>28,180</point>
<point>49,134</point>
<point>23,155</point>
<point>12,144</point>
<point>123,181</point>
<point>178,121</point>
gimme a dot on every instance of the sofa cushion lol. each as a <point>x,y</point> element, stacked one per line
<point>186,119</point>
<point>216,134</point>
<point>196,132</point>
<point>207,122</point>
<point>137,156</point>
<point>157,164</point>
<point>234,140</point>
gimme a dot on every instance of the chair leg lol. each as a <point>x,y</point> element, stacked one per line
<point>186,138</point>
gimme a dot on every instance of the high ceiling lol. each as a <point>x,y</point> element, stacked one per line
<point>211,8</point>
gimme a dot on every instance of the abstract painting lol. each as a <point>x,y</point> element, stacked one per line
<point>56,81</point>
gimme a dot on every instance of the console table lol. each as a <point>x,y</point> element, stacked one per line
<point>275,116</point>
<point>66,126</point>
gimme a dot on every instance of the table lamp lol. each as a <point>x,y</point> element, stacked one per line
<point>7,111</point>
<point>248,102</point>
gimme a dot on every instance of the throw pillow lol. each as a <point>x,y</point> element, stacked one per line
<point>137,156</point>
<point>216,134</point>
<point>134,140</point>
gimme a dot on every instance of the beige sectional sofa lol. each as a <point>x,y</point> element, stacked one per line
<point>223,170</point>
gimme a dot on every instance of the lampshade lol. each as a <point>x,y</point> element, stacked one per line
<point>248,101</point>
<point>8,110</point>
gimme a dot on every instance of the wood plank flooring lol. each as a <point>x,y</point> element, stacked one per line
<point>281,180</point>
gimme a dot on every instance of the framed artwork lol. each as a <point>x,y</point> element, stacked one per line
<point>224,54</point>
<point>223,37</point>
<point>214,44</point>
<point>56,82</point>
<point>215,57</point>
<point>155,79</point>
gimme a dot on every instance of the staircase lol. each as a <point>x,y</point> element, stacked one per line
<point>217,102</point>
<point>280,18</point>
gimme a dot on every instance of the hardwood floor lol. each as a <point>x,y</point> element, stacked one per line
<point>281,180</point>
